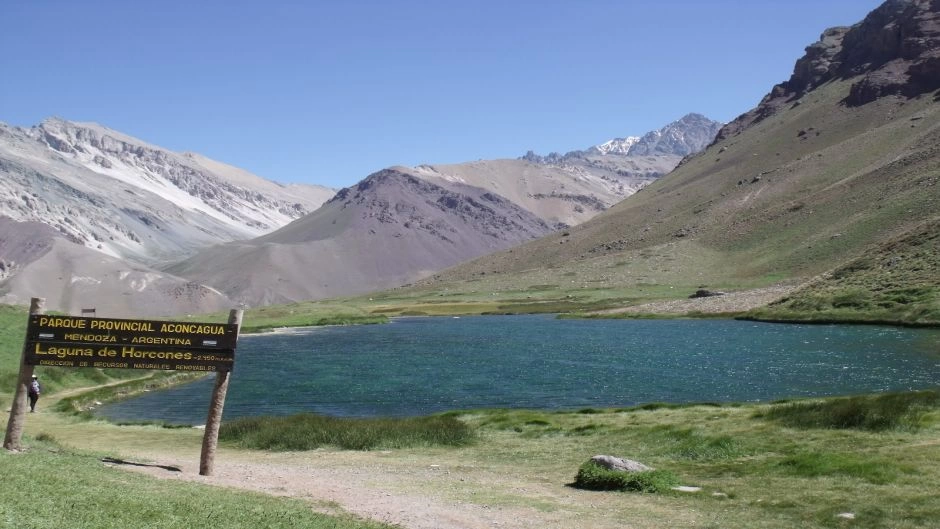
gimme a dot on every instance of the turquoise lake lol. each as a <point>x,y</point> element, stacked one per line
<point>416,366</point>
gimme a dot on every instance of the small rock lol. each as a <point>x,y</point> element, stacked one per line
<point>719,494</point>
<point>846,515</point>
<point>703,293</point>
<point>687,488</point>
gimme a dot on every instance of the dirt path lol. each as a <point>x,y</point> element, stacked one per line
<point>729,302</point>
<point>409,491</point>
<point>415,489</point>
<point>362,490</point>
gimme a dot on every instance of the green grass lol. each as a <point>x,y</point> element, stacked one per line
<point>755,471</point>
<point>308,432</point>
<point>767,473</point>
<point>691,444</point>
<point>875,470</point>
<point>301,314</point>
<point>50,488</point>
<point>889,411</point>
<point>895,283</point>
<point>12,336</point>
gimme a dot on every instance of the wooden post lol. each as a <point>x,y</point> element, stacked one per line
<point>18,408</point>
<point>210,439</point>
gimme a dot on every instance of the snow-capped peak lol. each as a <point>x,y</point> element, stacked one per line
<point>616,145</point>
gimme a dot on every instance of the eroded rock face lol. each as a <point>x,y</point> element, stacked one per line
<point>640,157</point>
<point>895,50</point>
<point>126,198</point>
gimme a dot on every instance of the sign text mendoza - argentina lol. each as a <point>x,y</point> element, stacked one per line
<point>70,341</point>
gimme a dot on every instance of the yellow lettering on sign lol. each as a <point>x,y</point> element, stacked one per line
<point>132,352</point>
<point>122,325</point>
<point>98,338</point>
<point>62,323</point>
<point>62,352</point>
<point>192,328</point>
<point>159,340</point>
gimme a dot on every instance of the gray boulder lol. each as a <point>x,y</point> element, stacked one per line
<point>617,463</point>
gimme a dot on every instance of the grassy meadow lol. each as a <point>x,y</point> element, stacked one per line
<point>804,463</point>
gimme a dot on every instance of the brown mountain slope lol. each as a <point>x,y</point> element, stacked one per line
<point>815,181</point>
<point>37,261</point>
<point>389,229</point>
<point>560,195</point>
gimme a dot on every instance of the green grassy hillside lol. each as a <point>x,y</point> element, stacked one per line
<point>895,282</point>
<point>799,194</point>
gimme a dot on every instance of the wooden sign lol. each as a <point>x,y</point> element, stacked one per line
<point>135,344</point>
<point>108,343</point>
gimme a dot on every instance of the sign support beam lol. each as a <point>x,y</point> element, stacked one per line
<point>18,409</point>
<point>210,438</point>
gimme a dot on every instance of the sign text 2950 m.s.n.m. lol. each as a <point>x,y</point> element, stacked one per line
<point>71,341</point>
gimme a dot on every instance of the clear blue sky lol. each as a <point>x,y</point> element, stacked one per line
<point>327,92</point>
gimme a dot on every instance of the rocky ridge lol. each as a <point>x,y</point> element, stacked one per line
<point>640,159</point>
<point>129,199</point>
<point>895,50</point>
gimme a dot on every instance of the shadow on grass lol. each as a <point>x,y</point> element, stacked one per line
<point>115,461</point>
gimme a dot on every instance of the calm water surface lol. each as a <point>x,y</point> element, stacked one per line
<point>415,366</point>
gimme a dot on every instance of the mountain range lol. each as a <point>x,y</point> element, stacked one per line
<point>641,159</point>
<point>837,163</point>
<point>834,165</point>
<point>403,224</point>
<point>119,209</point>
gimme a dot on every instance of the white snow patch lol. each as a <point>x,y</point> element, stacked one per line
<point>147,278</point>
<point>85,280</point>
<point>428,171</point>
<point>617,145</point>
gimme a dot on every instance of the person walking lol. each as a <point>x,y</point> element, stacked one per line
<point>34,390</point>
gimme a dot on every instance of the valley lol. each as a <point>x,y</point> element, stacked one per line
<point>448,345</point>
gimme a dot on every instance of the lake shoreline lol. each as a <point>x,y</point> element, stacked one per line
<point>426,365</point>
